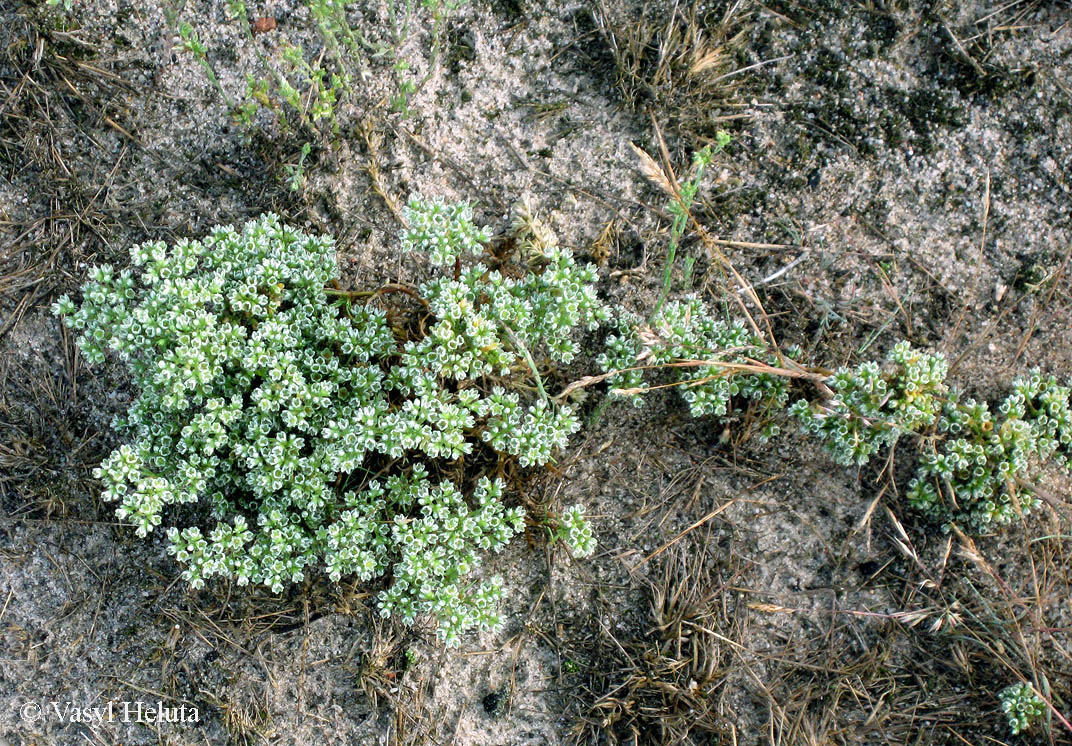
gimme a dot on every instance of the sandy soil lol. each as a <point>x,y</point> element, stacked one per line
<point>913,156</point>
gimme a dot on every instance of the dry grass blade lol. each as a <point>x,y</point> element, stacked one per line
<point>720,509</point>
<point>653,173</point>
<point>661,686</point>
<point>904,543</point>
<point>679,61</point>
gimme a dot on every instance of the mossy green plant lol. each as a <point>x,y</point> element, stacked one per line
<point>704,357</point>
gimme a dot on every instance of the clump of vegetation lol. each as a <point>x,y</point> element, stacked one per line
<point>658,683</point>
<point>329,430</point>
<point>681,62</point>
<point>1022,706</point>
<point>974,468</point>
<point>299,90</point>
<point>984,467</point>
<point>302,89</point>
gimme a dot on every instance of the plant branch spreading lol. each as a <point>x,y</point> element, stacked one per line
<point>976,467</point>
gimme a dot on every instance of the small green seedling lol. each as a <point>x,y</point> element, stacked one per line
<point>192,44</point>
<point>295,172</point>
<point>1022,706</point>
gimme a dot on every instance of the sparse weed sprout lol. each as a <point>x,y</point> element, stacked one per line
<point>1022,706</point>
<point>321,434</point>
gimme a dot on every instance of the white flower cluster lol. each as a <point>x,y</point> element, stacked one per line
<point>441,548</point>
<point>444,232</point>
<point>266,396</point>
<point>576,532</point>
<point>530,434</point>
<point>1022,706</point>
<point>488,322</point>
